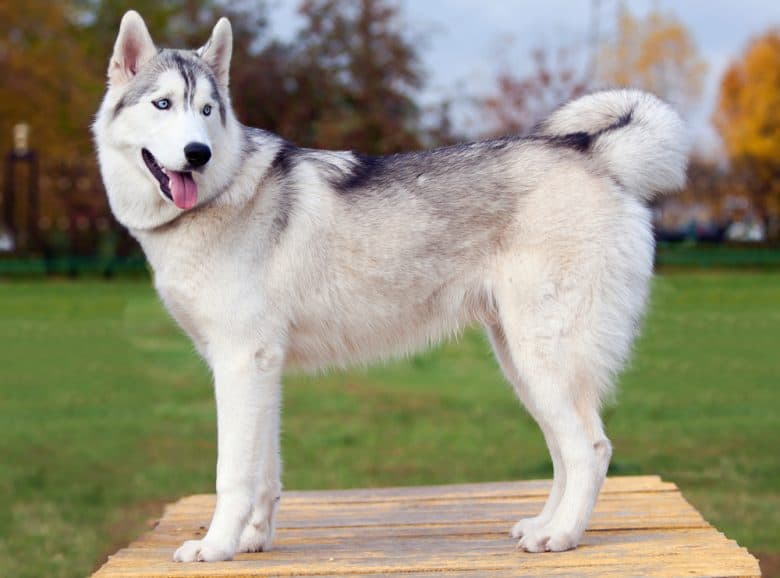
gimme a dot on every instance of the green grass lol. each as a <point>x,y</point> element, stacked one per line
<point>106,413</point>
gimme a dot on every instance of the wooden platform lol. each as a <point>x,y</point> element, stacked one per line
<point>642,526</point>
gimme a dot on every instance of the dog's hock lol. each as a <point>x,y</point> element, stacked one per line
<point>133,48</point>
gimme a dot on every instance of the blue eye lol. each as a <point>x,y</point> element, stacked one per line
<point>207,110</point>
<point>162,103</point>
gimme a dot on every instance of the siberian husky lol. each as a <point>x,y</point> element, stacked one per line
<point>269,255</point>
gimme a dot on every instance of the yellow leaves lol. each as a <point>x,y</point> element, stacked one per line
<point>748,111</point>
<point>44,79</point>
<point>656,54</point>
<point>747,117</point>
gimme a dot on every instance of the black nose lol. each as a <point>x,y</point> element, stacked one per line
<point>197,154</point>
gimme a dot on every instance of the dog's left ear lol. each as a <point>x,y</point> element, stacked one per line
<point>218,50</point>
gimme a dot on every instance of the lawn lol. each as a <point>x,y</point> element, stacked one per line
<point>106,414</point>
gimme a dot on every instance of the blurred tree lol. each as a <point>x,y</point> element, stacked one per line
<point>747,116</point>
<point>43,80</point>
<point>748,109</point>
<point>656,54</point>
<point>702,210</point>
<point>172,23</point>
<point>441,131</point>
<point>347,81</point>
<point>264,87</point>
<point>47,82</point>
<point>519,102</point>
<point>53,61</point>
<point>357,69</point>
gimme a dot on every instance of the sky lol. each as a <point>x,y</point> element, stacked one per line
<point>461,47</point>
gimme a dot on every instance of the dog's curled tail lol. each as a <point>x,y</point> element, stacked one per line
<point>640,140</point>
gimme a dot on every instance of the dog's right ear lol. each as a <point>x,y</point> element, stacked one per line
<point>133,49</point>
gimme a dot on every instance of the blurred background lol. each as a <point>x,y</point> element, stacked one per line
<point>105,411</point>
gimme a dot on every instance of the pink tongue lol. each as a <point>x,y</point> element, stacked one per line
<point>183,189</point>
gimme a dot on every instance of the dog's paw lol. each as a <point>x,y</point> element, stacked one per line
<point>201,551</point>
<point>547,539</point>
<point>525,526</point>
<point>256,537</point>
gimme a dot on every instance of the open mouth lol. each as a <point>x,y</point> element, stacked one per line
<point>177,186</point>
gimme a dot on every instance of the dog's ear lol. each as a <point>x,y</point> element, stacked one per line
<point>218,50</point>
<point>133,49</point>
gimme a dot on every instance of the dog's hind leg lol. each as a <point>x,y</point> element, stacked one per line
<point>504,356</point>
<point>545,325</point>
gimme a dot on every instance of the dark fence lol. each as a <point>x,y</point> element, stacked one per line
<point>67,229</point>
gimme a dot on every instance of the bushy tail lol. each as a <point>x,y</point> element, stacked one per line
<point>640,140</point>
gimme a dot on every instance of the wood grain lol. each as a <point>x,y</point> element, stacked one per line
<point>642,526</point>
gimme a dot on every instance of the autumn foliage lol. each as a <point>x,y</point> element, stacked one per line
<point>655,53</point>
<point>351,78</point>
<point>519,101</point>
<point>748,119</point>
<point>348,79</point>
<point>748,111</point>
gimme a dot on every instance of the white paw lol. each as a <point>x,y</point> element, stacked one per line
<point>202,551</point>
<point>526,525</point>
<point>256,537</point>
<point>547,539</point>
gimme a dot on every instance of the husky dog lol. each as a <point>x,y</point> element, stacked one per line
<point>271,255</point>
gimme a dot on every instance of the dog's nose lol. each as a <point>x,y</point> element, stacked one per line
<point>197,154</point>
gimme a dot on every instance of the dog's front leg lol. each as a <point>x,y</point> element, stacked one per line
<point>247,387</point>
<point>258,534</point>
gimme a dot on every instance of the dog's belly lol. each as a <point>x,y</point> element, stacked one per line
<point>365,332</point>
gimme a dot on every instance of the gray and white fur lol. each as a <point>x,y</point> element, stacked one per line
<point>269,255</point>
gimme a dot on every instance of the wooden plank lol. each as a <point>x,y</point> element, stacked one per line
<point>612,512</point>
<point>641,526</point>
<point>531,488</point>
<point>673,553</point>
<point>458,491</point>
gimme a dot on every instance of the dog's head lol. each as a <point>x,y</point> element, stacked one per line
<point>167,139</point>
